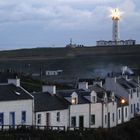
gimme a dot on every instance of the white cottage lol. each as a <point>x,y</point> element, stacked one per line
<point>16,104</point>
<point>50,109</point>
<point>91,109</point>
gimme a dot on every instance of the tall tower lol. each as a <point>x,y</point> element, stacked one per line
<point>115,18</point>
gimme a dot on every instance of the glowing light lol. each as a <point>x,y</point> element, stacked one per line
<point>123,101</point>
<point>115,14</point>
<point>73,100</point>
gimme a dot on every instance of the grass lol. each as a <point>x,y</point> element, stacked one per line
<point>127,131</point>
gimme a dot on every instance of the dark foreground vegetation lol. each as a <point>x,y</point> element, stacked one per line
<point>127,131</point>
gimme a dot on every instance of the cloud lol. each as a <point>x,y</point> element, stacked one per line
<point>68,15</point>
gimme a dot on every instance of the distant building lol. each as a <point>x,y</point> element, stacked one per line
<point>53,72</point>
<point>116,41</point>
<point>129,42</point>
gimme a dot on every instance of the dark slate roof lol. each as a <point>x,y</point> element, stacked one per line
<point>91,80</point>
<point>45,101</point>
<point>124,83</point>
<point>99,90</point>
<point>127,84</point>
<point>4,77</point>
<point>9,92</point>
<point>81,94</point>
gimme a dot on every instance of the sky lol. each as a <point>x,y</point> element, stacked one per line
<point>52,23</point>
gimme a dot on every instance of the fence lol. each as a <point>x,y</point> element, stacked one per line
<point>38,127</point>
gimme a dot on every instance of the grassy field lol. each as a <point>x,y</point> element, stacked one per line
<point>61,53</point>
<point>75,63</point>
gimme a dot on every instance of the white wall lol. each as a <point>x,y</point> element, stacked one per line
<point>53,115</point>
<point>80,110</point>
<point>17,106</point>
<point>125,118</point>
<point>97,110</point>
<point>112,108</point>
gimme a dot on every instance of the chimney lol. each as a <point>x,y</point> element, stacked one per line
<point>49,88</point>
<point>100,83</point>
<point>83,85</point>
<point>15,81</point>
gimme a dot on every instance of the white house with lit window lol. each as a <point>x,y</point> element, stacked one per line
<point>91,109</point>
<point>75,108</point>
<point>16,104</point>
<point>127,89</point>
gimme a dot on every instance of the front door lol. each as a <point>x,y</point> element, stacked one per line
<point>12,118</point>
<point>47,119</point>
<point>81,121</point>
<point>108,120</point>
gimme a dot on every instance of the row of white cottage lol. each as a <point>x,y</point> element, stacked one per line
<point>90,105</point>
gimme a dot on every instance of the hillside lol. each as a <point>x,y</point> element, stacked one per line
<point>60,53</point>
<point>75,62</point>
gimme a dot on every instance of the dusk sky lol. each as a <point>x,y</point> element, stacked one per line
<point>51,23</point>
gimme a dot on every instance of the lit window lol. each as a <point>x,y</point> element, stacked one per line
<point>23,117</point>
<point>1,118</point>
<point>92,119</point>
<point>38,118</point>
<point>74,100</point>
<point>58,117</point>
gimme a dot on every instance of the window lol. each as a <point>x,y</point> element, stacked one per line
<point>137,94</point>
<point>113,103</point>
<point>73,121</point>
<point>119,114</point>
<point>38,118</point>
<point>131,108</point>
<point>92,119</point>
<point>134,90</point>
<point>131,95</point>
<point>113,117</point>
<point>134,108</point>
<point>58,117</point>
<point>1,118</point>
<point>74,100</point>
<point>23,117</point>
<point>137,106</point>
<point>125,112</point>
<point>105,99</point>
<point>105,119</point>
<point>93,99</point>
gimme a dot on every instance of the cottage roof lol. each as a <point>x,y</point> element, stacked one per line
<point>80,93</point>
<point>44,101</point>
<point>9,92</point>
<point>127,84</point>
